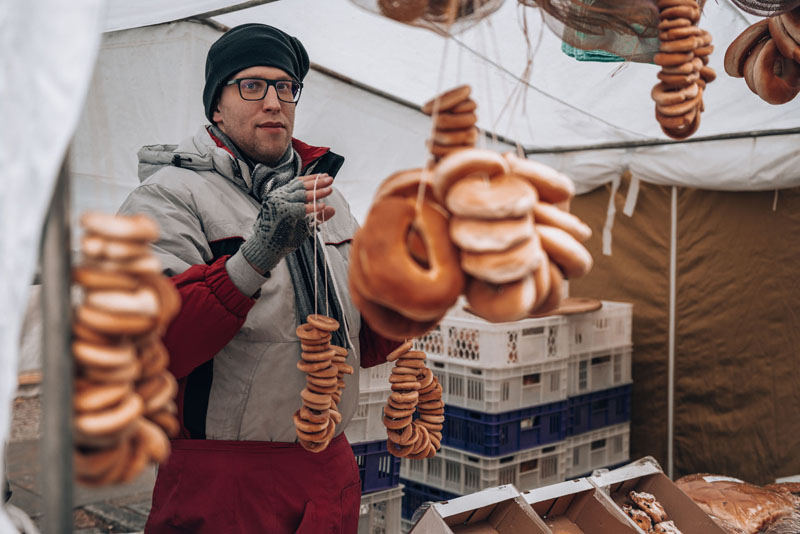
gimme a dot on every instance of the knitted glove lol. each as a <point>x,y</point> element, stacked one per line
<point>280,228</point>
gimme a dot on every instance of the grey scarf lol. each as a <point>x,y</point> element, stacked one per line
<point>301,261</point>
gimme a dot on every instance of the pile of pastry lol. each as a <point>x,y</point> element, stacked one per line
<point>124,395</point>
<point>325,366</point>
<point>415,389</point>
<point>683,57</point>
<point>767,56</point>
<point>649,514</point>
<point>454,122</point>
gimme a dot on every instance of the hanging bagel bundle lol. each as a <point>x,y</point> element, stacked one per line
<point>454,122</point>
<point>415,390</point>
<point>441,16</point>
<point>767,56</point>
<point>124,395</point>
<point>324,364</point>
<point>515,241</point>
<point>683,56</point>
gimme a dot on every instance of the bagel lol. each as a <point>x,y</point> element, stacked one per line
<point>455,121</point>
<point>501,303</point>
<point>467,106</point>
<point>154,359</point>
<point>678,80</point>
<point>680,121</point>
<point>440,151</point>
<point>788,47</point>
<point>414,355</point>
<point>93,397</point>
<point>673,23</point>
<point>315,398</point>
<point>663,95</point>
<point>142,301</point>
<point>138,457</point>
<point>95,246</point>
<point>115,324</point>
<point>91,354</point>
<point>168,296</point>
<point>167,421</point>
<point>144,265</point>
<point>505,266</point>
<point>686,44</point>
<point>111,420</point>
<point>708,74</point>
<point>663,4</point>
<point>83,332</point>
<point>405,184</point>
<point>155,441</point>
<point>405,386</point>
<point>683,133</point>
<point>132,227</point>
<point>776,78</point>
<point>98,279</point>
<point>750,63</point>
<point>791,23</point>
<point>498,197</point>
<point>323,322</point>
<point>551,215</point>
<point>703,51</point>
<point>400,436</point>
<point>310,427</point>
<point>481,235</point>
<point>565,250</point>
<point>391,277</point>
<point>463,163</point>
<point>308,333</point>
<point>684,68</point>
<point>327,372</point>
<point>448,100</point>
<point>551,185</point>
<point>94,463</point>
<point>553,299</point>
<point>399,351</point>
<point>681,12</point>
<point>672,59</point>
<point>162,396</point>
<point>399,451</point>
<point>123,373</point>
<point>682,32</point>
<point>740,48</point>
<point>681,108</point>
<point>541,277</point>
<point>455,137</point>
<point>403,10</point>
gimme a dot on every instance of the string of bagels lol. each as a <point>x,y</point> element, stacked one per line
<point>123,402</point>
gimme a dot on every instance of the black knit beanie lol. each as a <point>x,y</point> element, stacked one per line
<point>251,45</point>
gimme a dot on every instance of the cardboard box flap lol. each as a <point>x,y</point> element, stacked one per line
<point>644,466</point>
<point>542,499</point>
<point>474,501</point>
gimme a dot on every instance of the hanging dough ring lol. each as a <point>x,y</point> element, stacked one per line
<point>484,235</point>
<point>448,100</point>
<point>501,303</point>
<point>680,108</point>
<point>500,196</point>
<point>403,10</point>
<point>455,121</point>
<point>683,133</point>
<point>664,95</point>
<point>742,46</point>
<point>679,33</point>
<point>787,46</point>
<point>455,137</point>
<point>463,163</point>
<point>111,420</point>
<point>684,68</point>
<point>565,250</point>
<point>680,121</point>
<point>678,80</point>
<point>681,12</point>
<point>776,78</point>
<point>506,266</point>
<point>687,44</point>
<point>554,296</point>
<point>666,59</point>
<point>406,184</point>
<point>553,216</point>
<point>322,322</point>
<point>551,185</point>
<point>391,276</point>
<point>673,23</point>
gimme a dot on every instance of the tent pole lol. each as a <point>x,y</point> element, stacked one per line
<point>56,443</point>
<point>673,240</point>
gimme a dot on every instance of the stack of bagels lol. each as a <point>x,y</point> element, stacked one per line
<point>437,11</point>
<point>454,122</point>
<point>415,390</point>
<point>124,394</point>
<point>324,364</point>
<point>683,57</point>
<point>516,243</point>
<point>767,56</point>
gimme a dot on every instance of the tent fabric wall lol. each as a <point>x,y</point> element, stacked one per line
<point>737,332</point>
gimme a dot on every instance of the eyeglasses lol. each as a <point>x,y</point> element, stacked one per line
<point>256,88</point>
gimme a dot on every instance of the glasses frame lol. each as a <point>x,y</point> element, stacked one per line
<point>270,83</point>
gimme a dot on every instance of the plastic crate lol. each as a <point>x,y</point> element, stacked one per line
<point>469,340</point>
<point>463,472</point>
<point>380,512</point>
<point>599,409</point>
<point>606,328</point>
<point>415,494</point>
<point>504,433</point>
<point>377,468</point>
<point>375,378</point>
<point>367,421</point>
<point>597,449</point>
<point>501,390</point>
<point>406,525</point>
<point>598,370</point>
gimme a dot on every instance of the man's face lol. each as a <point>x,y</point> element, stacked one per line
<point>262,129</point>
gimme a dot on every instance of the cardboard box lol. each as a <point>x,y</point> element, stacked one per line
<point>579,507</point>
<point>499,510</point>
<point>645,475</point>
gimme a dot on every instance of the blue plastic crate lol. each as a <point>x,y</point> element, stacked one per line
<point>415,494</point>
<point>598,409</point>
<point>377,468</point>
<point>497,434</point>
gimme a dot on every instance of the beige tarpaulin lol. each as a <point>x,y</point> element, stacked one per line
<point>737,328</point>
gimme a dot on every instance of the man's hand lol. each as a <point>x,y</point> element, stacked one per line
<point>281,225</point>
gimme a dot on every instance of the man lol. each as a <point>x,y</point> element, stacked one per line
<point>232,203</point>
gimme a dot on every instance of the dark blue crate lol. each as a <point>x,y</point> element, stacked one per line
<point>497,434</point>
<point>377,468</point>
<point>599,409</point>
<point>415,494</point>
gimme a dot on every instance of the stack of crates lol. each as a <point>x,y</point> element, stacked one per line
<point>504,386</point>
<point>381,491</point>
<point>599,388</point>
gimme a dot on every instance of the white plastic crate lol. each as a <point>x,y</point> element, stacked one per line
<point>599,370</point>
<point>376,377</point>
<point>463,473</point>
<point>609,327</point>
<point>500,390</point>
<point>380,512</point>
<point>599,448</point>
<point>367,421</point>
<point>467,339</point>
<point>406,525</point>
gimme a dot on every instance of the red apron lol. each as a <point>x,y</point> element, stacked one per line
<point>253,487</point>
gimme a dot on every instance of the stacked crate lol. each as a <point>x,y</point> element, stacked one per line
<point>381,492</point>
<point>506,410</point>
<point>599,388</point>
